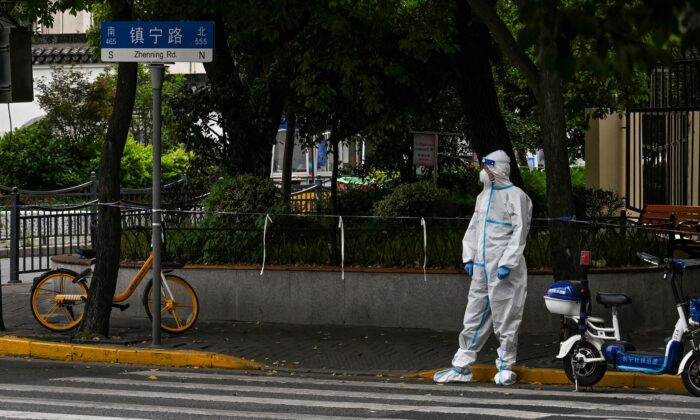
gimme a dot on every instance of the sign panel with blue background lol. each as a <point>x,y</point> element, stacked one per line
<point>157,42</point>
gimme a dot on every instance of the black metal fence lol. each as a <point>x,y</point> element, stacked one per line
<point>39,224</point>
<point>663,139</point>
<point>376,242</point>
<point>663,155</point>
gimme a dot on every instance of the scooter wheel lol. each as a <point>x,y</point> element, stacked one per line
<point>587,374</point>
<point>691,376</point>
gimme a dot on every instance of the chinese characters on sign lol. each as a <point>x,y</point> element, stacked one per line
<point>424,150</point>
<point>157,42</point>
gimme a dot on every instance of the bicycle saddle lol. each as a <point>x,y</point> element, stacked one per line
<point>609,299</point>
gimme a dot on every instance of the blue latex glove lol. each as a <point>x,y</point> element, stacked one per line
<point>503,272</point>
<point>469,268</point>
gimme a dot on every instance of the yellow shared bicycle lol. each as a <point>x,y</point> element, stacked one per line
<point>58,299</point>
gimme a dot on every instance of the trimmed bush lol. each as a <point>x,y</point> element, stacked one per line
<point>356,201</point>
<point>237,238</point>
<point>33,158</point>
<point>246,194</point>
<point>419,199</point>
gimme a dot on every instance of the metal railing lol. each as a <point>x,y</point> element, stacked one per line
<point>40,224</point>
<point>378,242</point>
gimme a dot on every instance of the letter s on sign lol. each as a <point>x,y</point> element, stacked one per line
<point>111,54</point>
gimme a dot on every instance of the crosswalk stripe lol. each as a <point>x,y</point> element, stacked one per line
<point>384,396</point>
<point>165,409</point>
<point>10,414</point>
<point>427,387</point>
<point>268,401</point>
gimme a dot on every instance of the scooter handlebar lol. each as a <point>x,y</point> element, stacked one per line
<point>646,257</point>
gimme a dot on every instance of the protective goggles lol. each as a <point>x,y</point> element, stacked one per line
<point>488,162</point>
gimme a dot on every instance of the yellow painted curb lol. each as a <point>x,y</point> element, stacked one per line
<point>485,373</point>
<point>13,346</point>
<point>23,347</point>
<point>97,354</point>
<point>50,350</point>
<point>225,361</point>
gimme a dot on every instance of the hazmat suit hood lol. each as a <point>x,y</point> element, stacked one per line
<point>500,169</point>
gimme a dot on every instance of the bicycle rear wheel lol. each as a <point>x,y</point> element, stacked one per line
<point>178,314</point>
<point>57,302</point>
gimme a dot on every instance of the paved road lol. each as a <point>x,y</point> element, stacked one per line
<point>56,390</point>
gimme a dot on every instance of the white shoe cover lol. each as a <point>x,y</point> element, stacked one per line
<point>452,375</point>
<point>505,377</point>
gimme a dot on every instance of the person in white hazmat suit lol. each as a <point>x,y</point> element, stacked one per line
<point>492,250</point>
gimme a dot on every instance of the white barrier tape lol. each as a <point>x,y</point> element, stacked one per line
<point>267,219</point>
<point>425,248</point>
<point>342,247</point>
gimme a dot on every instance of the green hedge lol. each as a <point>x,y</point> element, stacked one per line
<point>299,241</point>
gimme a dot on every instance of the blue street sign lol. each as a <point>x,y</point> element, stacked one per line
<point>157,42</point>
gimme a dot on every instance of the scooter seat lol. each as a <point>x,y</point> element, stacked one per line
<point>610,299</point>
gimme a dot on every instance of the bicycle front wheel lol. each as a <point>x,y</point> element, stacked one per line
<point>57,302</point>
<point>178,312</point>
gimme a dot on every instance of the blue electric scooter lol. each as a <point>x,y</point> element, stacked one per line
<point>588,348</point>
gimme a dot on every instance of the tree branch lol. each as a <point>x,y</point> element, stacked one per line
<point>507,42</point>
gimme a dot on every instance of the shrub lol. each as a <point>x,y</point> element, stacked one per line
<point>419,199</point>
<point>463,186</point>
<point>355,201</point>
<point>536,189</point>
<point>237,238</point>
<point>592,203</point>
<point>244,193</point>
<point>32,158</point>
<point>137,164</point>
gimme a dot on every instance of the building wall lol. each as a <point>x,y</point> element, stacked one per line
<point>605,154</point>
<point>23,113</point>
<point>67,23</point>
<point>679,144</point>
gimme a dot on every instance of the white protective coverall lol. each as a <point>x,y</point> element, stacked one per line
<point>495,238</point>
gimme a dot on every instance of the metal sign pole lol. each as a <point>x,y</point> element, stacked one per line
<point>435,161</point>
<point>157,72</point>
<point>157,43</point>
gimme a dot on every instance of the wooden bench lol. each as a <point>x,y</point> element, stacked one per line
<point>679,218</point>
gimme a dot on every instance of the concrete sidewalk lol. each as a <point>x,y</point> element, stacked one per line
<point>308,348</point>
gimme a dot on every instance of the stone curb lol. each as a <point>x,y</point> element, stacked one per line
<point>485,373</point>
<point>23,347</point>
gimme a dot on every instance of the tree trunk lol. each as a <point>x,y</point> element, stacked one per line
<point>251,129</point>
<point>477,90</point>
<point>546,86</point>
<point>104,282</point>
<point>560,202</point>
<point>287,159</point>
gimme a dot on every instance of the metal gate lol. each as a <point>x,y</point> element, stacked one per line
<point>663,140</point>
